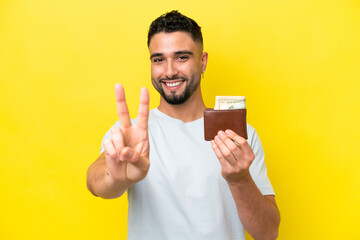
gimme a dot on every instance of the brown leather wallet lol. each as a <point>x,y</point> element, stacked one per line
<point>216,120</point>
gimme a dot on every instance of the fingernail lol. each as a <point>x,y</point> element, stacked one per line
<point>128,154</point>
<point>228,132</point>
<point>221,134</point>
<point>125,155</point>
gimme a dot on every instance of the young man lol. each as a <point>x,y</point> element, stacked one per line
<point>180,186</point>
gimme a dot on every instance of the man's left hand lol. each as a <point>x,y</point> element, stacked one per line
<point>235,156</point>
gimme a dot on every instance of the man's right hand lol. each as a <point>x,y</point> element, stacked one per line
<point>127,151</point>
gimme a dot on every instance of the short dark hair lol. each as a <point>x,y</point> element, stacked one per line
<point>172,22</point>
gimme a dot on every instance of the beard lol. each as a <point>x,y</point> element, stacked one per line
<point>174,99</point>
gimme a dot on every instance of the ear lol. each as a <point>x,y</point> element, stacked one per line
<point>204,59</point>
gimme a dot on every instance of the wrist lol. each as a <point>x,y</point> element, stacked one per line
<point>241,180</point>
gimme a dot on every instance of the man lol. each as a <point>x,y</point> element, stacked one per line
<point>180,186</point>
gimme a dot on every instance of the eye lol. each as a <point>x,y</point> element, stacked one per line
<point>157,60</point>
<point>183,57</point>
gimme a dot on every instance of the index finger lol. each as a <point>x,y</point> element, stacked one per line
<point>122,109</point>
<point>143,114</point>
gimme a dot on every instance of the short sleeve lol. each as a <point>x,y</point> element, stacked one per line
<point>258,170</point>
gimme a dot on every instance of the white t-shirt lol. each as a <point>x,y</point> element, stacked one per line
<point>184,195</point>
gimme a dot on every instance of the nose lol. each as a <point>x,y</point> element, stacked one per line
<point>171,70</point>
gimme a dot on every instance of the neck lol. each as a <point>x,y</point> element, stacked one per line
<point>189,111</point>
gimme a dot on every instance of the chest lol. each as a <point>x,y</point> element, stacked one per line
<point>181,158</point>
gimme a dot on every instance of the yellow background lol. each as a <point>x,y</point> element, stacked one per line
<point>297,62</point>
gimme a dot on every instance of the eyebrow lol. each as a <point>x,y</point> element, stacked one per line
<point>156,55</point>
<point>176,53</point>
<point>184,52</point>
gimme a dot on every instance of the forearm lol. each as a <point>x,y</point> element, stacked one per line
<point>100,182</point>
<point>259,215</point>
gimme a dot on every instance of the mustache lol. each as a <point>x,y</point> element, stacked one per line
<point>173,78</point>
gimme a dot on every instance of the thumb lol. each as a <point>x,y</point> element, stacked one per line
<point>135,157</point>
<point>126,154</point>
<point>129,155</point>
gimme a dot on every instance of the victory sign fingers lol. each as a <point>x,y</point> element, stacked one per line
<point>143,114</point>
<point>121,106</point>
<point>127,151</point>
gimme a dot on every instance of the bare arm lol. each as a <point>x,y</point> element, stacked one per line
<point>259,214</point>
<point>125,160</point>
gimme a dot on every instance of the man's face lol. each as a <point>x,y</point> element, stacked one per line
<point>176,65</point>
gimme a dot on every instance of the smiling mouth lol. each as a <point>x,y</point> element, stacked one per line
<point>173,84</point>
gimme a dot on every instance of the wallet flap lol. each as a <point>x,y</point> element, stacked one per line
<point>216,120</point>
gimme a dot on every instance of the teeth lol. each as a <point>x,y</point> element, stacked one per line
<point>174,84</point>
